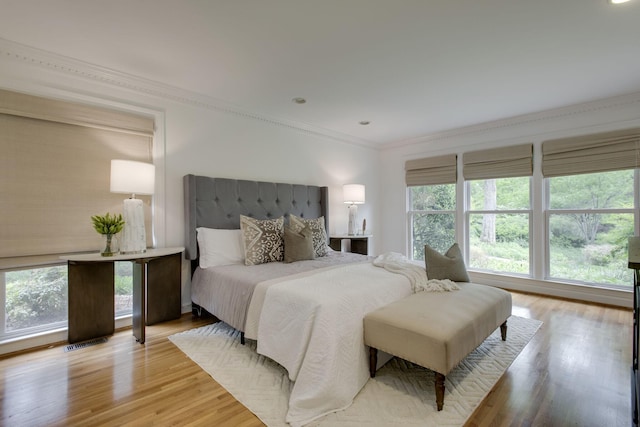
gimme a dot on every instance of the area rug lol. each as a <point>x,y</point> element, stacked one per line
<point>401,393</point>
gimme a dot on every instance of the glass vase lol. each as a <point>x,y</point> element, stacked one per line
<point>110,245</point>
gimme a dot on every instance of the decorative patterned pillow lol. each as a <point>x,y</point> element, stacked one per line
<point>263,239</point>
<point>448,266</point>
<point>298,246</point>
<point>317,229</point>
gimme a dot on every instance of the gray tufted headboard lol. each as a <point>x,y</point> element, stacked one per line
<point>219,202</point>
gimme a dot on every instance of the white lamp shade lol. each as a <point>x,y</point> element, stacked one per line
<point>353,193</point>
<point>132,177</point>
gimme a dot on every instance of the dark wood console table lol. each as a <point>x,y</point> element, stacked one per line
<point>157,279</point>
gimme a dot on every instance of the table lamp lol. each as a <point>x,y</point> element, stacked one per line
<point>353,196</point>
<point>132,178</point>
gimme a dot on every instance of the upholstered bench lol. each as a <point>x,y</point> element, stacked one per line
<point>436,330</point>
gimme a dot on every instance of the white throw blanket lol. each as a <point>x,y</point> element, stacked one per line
<point>398,263</point>
<point>312,326</point>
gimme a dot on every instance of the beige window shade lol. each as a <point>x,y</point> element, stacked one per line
<point>431,170</point>
<point>53,177</point>
<point>591,153</point>
<point>501,162</point>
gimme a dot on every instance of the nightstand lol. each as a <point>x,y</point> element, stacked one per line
<point>358,244</point>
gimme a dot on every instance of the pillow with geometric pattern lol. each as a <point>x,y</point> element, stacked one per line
<point>263,239</point>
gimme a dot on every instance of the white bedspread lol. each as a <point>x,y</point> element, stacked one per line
<point>313,326</point>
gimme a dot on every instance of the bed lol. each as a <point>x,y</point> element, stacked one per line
<point>306,315</point>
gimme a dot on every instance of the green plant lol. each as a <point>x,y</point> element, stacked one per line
<point>108,224</point>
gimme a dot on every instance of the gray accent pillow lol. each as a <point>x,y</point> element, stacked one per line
<point>317,228</point>
<point>263,239</point>
<point>298,246</point>
<point>448,266</point>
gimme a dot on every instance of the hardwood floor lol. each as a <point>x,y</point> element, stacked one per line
<point>575,372</point>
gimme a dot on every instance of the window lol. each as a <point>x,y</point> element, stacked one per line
<point>591,206</point>
<point>54,174</point>
<point>498,187</point>
<point>35,299</point>
<point>499,221</point>
<point>431,192</point>
<point>432,218</point>
<point>590,218</point>
<point>569,222</point>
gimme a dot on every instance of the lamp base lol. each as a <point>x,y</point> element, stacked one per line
<point>134,237</point>
<point>353,214</point>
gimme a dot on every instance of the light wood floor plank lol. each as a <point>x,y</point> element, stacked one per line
<point>574,372</point>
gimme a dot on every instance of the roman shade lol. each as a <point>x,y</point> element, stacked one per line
<point>431,170</point>
<point>503,162</point>
<point>54,174</point>
<point>599,152</point>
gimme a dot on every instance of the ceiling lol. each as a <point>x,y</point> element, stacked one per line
<point>410,67</point>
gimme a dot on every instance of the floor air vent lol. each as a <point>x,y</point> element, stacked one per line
<point>84,344</point>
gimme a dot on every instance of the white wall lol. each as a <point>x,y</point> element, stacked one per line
<point>204,142</point>
<point>202,136</point>
<point>603,115</point>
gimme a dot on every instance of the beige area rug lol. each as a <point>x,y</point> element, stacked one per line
<point>401,393</point>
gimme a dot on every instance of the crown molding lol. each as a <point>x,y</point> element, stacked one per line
<point>10,50</point>
<point>620,101</point>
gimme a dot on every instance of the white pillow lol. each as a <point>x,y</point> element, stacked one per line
<point>220,247</point>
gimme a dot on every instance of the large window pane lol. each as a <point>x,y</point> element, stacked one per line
<point>432,216</point>
<point>436,230</point>
<point>500,194</point>
<point>590,218</point>
<point>499,225</point>
<point>506,249</point>
<point>123,288</point>
<point>606,190</point>
<point>36,298</point>
<point>433,197</point>
<point>590,247</point>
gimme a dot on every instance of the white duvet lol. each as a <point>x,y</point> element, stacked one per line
<point>312,325</point>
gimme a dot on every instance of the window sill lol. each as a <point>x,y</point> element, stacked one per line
<point>47,338</point>
<point>574,291</point>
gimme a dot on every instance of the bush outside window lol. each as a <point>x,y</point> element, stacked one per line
<point>499,225</point>
<point>432,218</point>
<point>590,218</point>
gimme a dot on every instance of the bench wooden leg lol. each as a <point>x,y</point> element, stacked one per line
<point>439,390</point>
<point>503,331</point>
<point>373,361</point>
